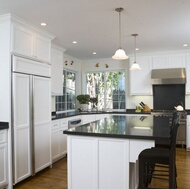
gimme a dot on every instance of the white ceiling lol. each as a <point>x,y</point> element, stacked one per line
<point>162,25</point>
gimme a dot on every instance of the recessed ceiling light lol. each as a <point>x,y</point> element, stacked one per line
<point>137,49</point>
<point>43,24</point>
<point>74,42</point>
<point>185,45</point>
<point>94,53</point>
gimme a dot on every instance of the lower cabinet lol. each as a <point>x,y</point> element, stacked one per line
<point>188,133</point>
<point>3,159</point>
<point>59,140</point>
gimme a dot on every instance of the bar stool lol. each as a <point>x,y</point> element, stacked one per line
<point>164,156</point>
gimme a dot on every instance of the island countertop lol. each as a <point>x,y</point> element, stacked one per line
<point>126,126</point>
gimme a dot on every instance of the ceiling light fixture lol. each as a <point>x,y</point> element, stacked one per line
<point>135,65</point>
<point>43,24</point>
<point>185,45</point>
<point>74,42</point>
<point>94,53</point>
<point>120,53</point>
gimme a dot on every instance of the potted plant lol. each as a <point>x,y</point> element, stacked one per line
<point>84,100</point>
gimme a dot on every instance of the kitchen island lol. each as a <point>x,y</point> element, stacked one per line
<point>100,154</point>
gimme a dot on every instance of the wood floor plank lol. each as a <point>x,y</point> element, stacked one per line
<point>56,177</point>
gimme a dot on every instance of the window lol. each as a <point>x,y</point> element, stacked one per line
<point>108,88</point>
<point>68,100</point>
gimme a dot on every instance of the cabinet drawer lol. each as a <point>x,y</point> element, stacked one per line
<point>3,136</point>
<point>55,125</point>
<point>64,123</point>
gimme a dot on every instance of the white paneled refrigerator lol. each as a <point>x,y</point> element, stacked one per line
<point>31,117</point>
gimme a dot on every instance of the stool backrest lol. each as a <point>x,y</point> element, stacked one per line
<point>174,129</point>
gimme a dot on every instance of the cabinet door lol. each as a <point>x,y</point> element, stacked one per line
<point>22,41</point>
<point>30,43</point>
<point>188,133</point>
<point>188,74</point>
<point>159,62</point>
<point>140,80</point>
<point>42,122</point>
<point>55,146</point>
<point>22,137</point>
<point>3,164</point>
<point>3,158</point>
<point>63,142</point>
<point>176,61</point>
<point>56,72</point>
<point>42,48</point>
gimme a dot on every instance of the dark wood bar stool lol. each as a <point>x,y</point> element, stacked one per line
<point>149,158</point>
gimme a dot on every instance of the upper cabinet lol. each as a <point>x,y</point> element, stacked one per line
<point>140,80</point>
<point>188,73</point>
<point>159,62</point>
<point>57,70</point>
<point>30,42</point>
<point>168,61</point>
<point>177,61</point>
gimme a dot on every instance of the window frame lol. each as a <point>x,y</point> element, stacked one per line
<point>66,103</point>
<point>106,71</point>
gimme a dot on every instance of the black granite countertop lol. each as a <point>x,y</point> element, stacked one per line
<point>126,126</point>
<point>75,113</point>
<point>4,125</point>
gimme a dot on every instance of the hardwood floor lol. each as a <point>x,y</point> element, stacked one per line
<point>56,177</point>
<point>50,178</point>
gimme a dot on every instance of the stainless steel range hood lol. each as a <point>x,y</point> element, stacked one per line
<point>168,76</point>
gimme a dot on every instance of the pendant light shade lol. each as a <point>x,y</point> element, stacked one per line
<point>120,53</point>
<point>135,65</point>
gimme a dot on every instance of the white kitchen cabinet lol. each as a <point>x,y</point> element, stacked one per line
<point>31,43</point>
<point>188,133</point>
<point>159,62</point>
<point>188,74</point>
<point>177,61</point>
<point>140,80</point>
<point>104,162</point>
<point>168,61</point>
<point>59,140</point>
<point>3,159</point>
<point>55,139</point>
<point>31,117</point>
<point>57,70</point>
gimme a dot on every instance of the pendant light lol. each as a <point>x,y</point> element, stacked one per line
<point>135,65</point>
<point>120,53</point>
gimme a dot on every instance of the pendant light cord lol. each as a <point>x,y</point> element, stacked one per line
<point>119,10</point>
<point>120,29</point>
<point>135,48</point>
<point>135,35</point>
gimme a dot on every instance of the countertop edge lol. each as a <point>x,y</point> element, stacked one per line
<point>65,115</point>
<point>4,125</point>
<point>114,136</point>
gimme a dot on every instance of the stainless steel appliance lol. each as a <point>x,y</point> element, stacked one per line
<point>31,117</point>
<point>168,76</point>
<point>181,135</point>
<point>169,91</point>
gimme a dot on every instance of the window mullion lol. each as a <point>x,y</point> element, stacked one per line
<point>105,92</point>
